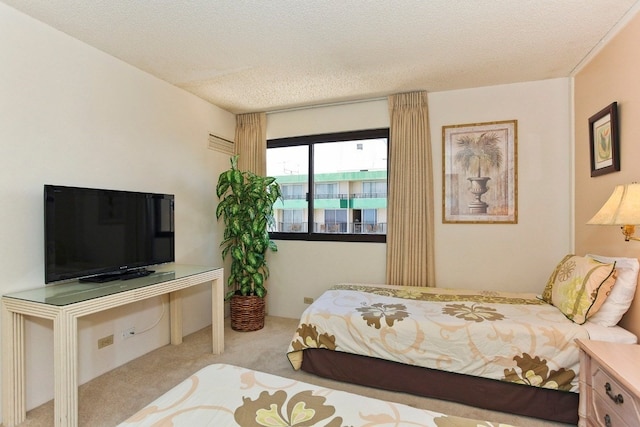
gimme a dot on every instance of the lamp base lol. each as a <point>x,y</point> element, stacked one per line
<point>629,231</point>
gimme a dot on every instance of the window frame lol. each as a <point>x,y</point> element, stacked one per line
<point>310,141</point>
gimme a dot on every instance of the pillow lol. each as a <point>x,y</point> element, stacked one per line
<point>579,286</point>
<point>619,301</point>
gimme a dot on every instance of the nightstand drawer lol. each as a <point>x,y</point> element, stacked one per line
<point>610,397</point>
<point>616,365</point>
<point>606,415</point>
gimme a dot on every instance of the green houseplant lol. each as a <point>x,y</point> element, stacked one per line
<point>246,207</point>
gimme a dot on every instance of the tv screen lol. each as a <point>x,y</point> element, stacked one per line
<point>100,235</point>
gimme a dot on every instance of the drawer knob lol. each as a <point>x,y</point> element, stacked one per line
<point>616,398</point>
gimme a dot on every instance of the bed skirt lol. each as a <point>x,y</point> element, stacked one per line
<point>548,404</point>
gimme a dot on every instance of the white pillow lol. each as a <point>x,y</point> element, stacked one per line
<point>621,296</point>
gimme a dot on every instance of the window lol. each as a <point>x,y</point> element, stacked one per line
<point>326,191</point>
<point>293,220</point>
<point>334,186</point>
<point>335,221</point>
<point>374,189</point>
<point>293,191</point>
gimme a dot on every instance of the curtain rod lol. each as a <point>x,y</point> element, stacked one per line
<point>333,104</point>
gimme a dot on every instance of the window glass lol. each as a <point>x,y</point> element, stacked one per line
<point>326,191</point>
<point>334,186</point>
<point>290,166</point>
<point>293,220</point>
<point>369,216</point>
<point>293,191</point>
<point>374,189</point>
<point>335,221</point>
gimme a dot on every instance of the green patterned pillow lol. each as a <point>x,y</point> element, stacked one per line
<point>579,286</point>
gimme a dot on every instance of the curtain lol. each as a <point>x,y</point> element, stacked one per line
<point>251,147</point>
<point>410,228</point>
<point>251,142</point>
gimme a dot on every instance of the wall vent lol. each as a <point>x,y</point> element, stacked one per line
<point>221,144</point>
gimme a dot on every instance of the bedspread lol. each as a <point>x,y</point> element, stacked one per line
<point>225,395</point>
<point>513,337</point>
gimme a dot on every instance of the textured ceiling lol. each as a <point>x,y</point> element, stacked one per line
<point>247,56</point>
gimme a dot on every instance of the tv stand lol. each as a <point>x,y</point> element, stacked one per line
<point>65,303</point>
<point>118,275</point>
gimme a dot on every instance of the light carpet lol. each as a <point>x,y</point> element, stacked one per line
<point>111,398</point>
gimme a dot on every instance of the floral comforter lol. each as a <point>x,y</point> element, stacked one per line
<point>226,395</point>
<point>513,337</point>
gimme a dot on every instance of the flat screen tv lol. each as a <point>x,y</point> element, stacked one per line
<point>101,235</point>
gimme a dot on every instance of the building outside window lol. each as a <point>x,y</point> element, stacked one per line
<point>374,189</point>
<point>335,221</point>
<point>293,191</point>
<point>326,191</point>
<point>334,186</point>
<point>293,221</point>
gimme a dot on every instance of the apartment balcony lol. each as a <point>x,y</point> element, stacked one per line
<point>368,200</point>
<point>342,227</point>
<point>289,201</point>
<point>369,227</point>
<point>351,228</point>
<point>292,227</point>
<point>335,201</point>
<point>330,201</point>
<point>369,195</point>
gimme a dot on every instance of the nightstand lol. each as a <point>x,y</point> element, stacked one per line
<point>609,384</point>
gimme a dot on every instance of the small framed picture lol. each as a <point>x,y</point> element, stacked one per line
<point>604,144</point>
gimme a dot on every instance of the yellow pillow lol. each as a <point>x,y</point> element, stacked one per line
<point>579,286</point>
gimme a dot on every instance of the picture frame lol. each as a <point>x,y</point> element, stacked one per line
<point>604,144</point>
<point>480,173</point>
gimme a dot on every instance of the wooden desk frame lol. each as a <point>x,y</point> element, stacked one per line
<point>65,339</point>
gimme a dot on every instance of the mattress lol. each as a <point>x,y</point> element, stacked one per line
<point>227,395</point>
<point>512,337</point>
<point>610,333</point>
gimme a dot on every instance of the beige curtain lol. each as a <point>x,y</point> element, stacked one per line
<point>410,235</point>
<point>251,142</point>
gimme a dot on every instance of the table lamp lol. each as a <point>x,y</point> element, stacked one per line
<point>623,209</point>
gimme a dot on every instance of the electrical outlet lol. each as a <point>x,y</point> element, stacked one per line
<point>105,341</point>
<point>128,333</point>
<point>308,300</point>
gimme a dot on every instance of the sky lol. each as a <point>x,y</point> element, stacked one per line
<point>343,156</point>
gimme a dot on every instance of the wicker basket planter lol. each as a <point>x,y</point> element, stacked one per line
<point>247,313</point>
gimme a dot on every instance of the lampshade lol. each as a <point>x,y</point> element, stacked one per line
<point>622,208</point>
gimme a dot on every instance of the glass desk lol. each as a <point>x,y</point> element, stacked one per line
<point>65,303</point>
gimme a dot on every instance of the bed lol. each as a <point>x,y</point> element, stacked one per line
<point>511,352</point>
<point>227,395</point>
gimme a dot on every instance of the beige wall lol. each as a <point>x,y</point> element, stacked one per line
<point>306,269</point>
<point>72,115</point>
<point>612,75</point>
<point>467,256</point>
<point>514,257</point>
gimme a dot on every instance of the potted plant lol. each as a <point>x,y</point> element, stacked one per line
<point>246,206</point>
<point>474,154</point>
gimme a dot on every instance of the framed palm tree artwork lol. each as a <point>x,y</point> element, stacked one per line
<point>604,145</point>
<point>480,173</point>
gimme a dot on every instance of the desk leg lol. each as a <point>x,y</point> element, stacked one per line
<point>14,409</point>
<point>65,349</point>
<point>217,316</point>
<point>175,317</point>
